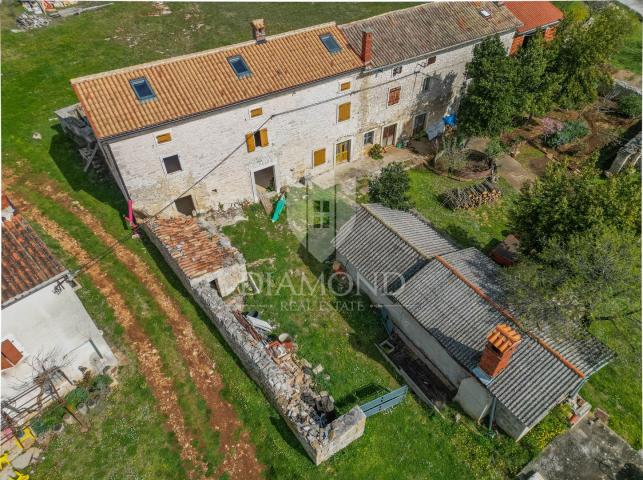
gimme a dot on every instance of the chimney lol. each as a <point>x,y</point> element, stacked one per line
<point>258,30</point>
<point>367,46</point>
<point>501,344</point>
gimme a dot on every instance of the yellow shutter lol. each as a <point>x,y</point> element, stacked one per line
<point>263,135</point>
<point>164,138</point>
<point>319,157</point>
<point>256,112</point>
<point>344,111</point>
<point>250,142</point>
<point>345,86</point>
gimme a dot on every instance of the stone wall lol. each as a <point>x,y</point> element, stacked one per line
<point>286,383</point>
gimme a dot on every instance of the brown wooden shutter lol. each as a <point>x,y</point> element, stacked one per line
<point>394,95</point>
<point>344,111</point>
<point>345,86</point>
<point>256,112</point>
<point>263,135</point>
<point>250,142</point>
<point>10,354</point>
<point>164,138</point>
<point>319,157</point>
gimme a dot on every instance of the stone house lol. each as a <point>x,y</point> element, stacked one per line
<point>535,16</point>
<point>215,128</point>
<point>444,304</point>
<point>40,321</point>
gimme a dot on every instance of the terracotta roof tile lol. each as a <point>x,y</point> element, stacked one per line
<point>205,81</point>
<point>26,260</point>
<point>534,14</point>
<point>503,337</point>
<point>196,250</point>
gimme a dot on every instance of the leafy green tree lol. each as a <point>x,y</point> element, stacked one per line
<point>537,85</point>
<point>584,51</point>
<point>490,103</point>
<point>594,276</point>
<point>563,203</point>
<point>391,187</point>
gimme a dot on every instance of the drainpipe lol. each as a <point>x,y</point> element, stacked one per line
<point>492,415</point>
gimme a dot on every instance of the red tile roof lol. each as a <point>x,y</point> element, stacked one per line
<point>204,81</point>
<point>534,14</point>
<point>26,260</point>
<point>196,250</point>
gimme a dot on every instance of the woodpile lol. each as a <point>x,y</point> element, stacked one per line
<point>472,196</point>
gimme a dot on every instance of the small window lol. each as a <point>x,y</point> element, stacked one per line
<point>321,213</point>
<point>10,354</point>
<point>172,164</point>
<point>185,205</point>
<point>319,157</point>
<point>430,61</point>
<point>239,66</point>
<point>426,84</point>
<point>257,139</point>
<point>397,70</point>
<point>164,138</point>
<point>330,43</point>
<point>394,96</point>
<point>344,112</point>
<point>345,86</point>
<point>256,112</point>
<point>142,89</point>
<point>369,137</point>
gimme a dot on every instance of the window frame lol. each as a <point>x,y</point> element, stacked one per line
<point>372,133</point>
<point>160,134</point>
<point>178,159</point>
<point>339,112</point>
<point>134,82</point>
<point>323,149</point>
<point>426,84</point>
<point>252,111</point>
<point>193,204</point>
<point>345,86</point>
<point>240,75</point>
<point>18,347</point>
<point>321,214</point>
<point>396,71</point>
<point>348,151</point>
<point>399,95</point>
<point>331,49</point>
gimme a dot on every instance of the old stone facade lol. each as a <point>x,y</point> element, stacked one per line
<point>298,123</point>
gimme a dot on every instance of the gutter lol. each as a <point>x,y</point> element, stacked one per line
<point>40,286</point>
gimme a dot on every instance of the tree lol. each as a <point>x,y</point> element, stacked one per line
<point>490,103</point>
<point>537,85</point>
<point>563,203</point>
<point>584,50</point>
<point>594,276</point>
<point>391,187</point>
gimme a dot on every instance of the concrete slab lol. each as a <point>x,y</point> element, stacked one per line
<point>591,451</point>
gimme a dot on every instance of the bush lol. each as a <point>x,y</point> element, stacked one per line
<point>77,396</point>
<point>630,105</point>
<point>376,152</point>
<point>391,187</point>
<point>452,155</point>
<point>494,149</point>
<point>569,132</point>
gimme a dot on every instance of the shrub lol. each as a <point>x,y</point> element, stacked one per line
<point>629,105</point>
<point>569,132</point>
<point>452,156</point>
<point>495,148</point>
<point>391,187</point>
<point>376,152</point>
<point>76,396</point>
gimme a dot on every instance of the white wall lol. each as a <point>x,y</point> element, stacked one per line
<point>206,140</point>
<point>44,321</point>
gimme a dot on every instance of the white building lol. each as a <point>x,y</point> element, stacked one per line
<point>39,322</point>
<point>263,114</point>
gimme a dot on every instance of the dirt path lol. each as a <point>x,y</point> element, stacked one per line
<point>240,460</point>
<point>148,358</point>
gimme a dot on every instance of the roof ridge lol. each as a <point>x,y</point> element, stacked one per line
<point>505,313</point>
<point>202,53</point>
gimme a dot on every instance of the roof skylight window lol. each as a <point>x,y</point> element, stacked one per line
<point>239,66</point>
<point>142,89</point>
<point>330,43</point>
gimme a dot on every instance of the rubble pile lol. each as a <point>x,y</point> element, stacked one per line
<point>29,21</point>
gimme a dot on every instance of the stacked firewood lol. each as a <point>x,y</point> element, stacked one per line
<point>472,196</point>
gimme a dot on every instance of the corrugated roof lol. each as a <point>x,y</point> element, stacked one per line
<point>205,81</point>
<point>26,260</point>
<point>534,14</point>
<point>385,244</point>
<point>460,319</point>
<point>428,28</point>
<point>196,250</point>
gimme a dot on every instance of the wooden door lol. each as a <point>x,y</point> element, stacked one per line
<point>388,135</point>
<point>343,152</point>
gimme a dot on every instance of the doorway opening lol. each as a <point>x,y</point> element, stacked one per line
<point>343,152</point>
<point>418,123</point>
<point>388,135</point>
<point>265,180</point>
<point>185,205</point>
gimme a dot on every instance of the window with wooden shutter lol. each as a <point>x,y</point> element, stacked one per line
<point>250,142</point>
<point>319,157</point>
<point>345,86</point>
<point>256,112</point>
<point>10,354</point>
<point>430,61</point>
<point>164,138</point>
<point>263,137</point>
<point>394,95</point>
<point>344,111</point>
